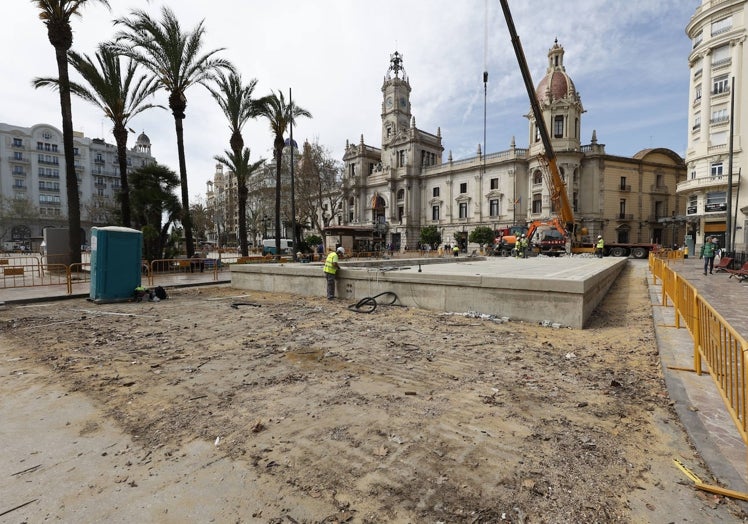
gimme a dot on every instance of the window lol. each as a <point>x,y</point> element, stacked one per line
<point>622,207</point>
<point>434,212</point>
<point>558,126</point>
<point>493,207</point>
<point>401,158</point>
<point>17,142</point>
<point>17,155</point>
<point>660,209</point>
<point>693,174</point>
<point>721,26</point>
<point>716,169</point>
<point>696,122</point>
<point>660,181</point>
<point>435,192</point>
<point>537,177</point>
<point>537,203</point>
<point>463,210</point>
<point>18,170</point>
<point>719,116</point>
<point>351,169</point>
<point>720,85</point>
<point>463,187</point>
<point>697,93</point>
<point>76,153</point>
<point>371,167</point>
<point>693,201</point>
<point>400,195</point>
<point>698,39</point>
<point>716,201</point>
<point>718,139</point>
<point>494,183</point>
<point>624,187</point>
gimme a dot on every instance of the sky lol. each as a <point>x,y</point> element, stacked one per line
<point>628,60</point>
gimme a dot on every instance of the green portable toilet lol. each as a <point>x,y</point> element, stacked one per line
<point>116,254</point>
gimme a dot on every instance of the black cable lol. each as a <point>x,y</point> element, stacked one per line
<point>369,304</point>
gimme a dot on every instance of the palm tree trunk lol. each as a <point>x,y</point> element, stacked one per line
<point>278,158</point>
<point>71,177</point>
<point>120,137</point>
<point>186,218</point>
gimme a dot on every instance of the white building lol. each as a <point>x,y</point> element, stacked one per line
<point>32,181</point>
<point>395,191</point>
<point>718,109</point>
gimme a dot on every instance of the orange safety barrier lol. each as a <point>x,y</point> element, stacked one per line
<point>716,343</point>
<point>29,272</point>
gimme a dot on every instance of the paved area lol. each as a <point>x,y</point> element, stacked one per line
<point>695,397</point>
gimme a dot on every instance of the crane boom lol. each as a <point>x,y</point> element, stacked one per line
<point>558,189</point>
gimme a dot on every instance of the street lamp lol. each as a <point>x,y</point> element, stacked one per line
<point>265,221</point>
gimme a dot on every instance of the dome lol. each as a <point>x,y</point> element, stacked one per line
<point>143,140</point>
<point>556,84</point>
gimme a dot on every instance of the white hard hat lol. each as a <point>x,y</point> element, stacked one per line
<point>599,236</point>
<point>341,250</point>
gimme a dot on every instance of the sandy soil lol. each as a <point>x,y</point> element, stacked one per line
<point>291,409</point>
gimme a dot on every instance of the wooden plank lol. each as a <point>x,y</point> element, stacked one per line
<point>12,271</point>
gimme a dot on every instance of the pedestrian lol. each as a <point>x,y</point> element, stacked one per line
<point>456,250</point>
<point>331,270</point>
<point>320,250</point>
<point>707,253</point>
<point>599,247</point>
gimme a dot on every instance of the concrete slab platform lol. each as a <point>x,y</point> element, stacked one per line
<point>562,290</point>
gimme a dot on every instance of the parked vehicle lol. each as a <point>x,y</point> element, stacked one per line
<point>268,247</point>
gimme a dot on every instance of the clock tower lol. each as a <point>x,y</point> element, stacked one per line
<point>396,114</point>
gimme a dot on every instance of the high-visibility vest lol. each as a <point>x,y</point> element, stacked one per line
<point>330,262</point>
<point>600,243</point>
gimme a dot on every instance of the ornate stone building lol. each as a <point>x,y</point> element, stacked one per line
<point>716,112</point>
<point>405,185</point>
<point>32,181</point>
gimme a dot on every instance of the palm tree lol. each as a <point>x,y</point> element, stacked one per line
<point>235,100</point>
<point>56,15</point>
<point>119,96</point>
<point>280,115</point>
<point>152,197</point>
<point>175,58</point>
<point>240,164</point>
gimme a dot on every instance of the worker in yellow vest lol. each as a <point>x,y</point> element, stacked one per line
<point>331,270</point>
<point>599,246</point>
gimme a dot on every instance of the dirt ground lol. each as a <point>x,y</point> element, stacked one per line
<point>292,409</point>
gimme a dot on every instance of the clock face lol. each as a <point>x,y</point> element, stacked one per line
<point>389,101</point>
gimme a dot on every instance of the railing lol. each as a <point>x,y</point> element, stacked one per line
<point>30,272</point>
<point>175,266</point>
<point>723,349</point>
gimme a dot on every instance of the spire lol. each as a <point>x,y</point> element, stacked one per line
<point>594,136</point>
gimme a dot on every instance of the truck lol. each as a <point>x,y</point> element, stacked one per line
<point>268,246</point>
<point>547,236</point>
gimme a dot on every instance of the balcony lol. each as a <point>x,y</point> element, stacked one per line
<point>19,173</point>
<point>624,187</point>
<point>18,159</point>
<point>691,210</point>
<point>624,216</point>
<point>719,120</point>
<point>99,160</point>
<point>705,183</point>
<point>664,190</point>
<point>100,185</point>
<point>53,162</point>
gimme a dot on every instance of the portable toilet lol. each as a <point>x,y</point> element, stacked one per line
<point>116,263</point>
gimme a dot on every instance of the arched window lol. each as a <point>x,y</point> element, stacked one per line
<point>400,195</point>
<point>537,177</point>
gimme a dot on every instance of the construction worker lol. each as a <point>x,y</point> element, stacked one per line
<point>599,246</point>
<point>331,270</point>
<point>520,247</point>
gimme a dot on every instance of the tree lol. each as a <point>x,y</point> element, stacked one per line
<point>119,96</point>
<point>151,197</point>
<point>482,235</point>
<point>15,212</point>
<point>201,220</point>
<point>56,15</point>
<point>430,235</point>
<point>319,179</point>
<point>235,100</point>
<point>241,165</point>
<point>176,59</point>
<point>280,115</point>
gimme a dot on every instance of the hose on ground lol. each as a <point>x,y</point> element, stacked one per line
<point>369,304</point>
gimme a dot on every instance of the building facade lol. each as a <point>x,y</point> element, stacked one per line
<point>715,188</point>
<point>405,185</point>
<point>32,181</point>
